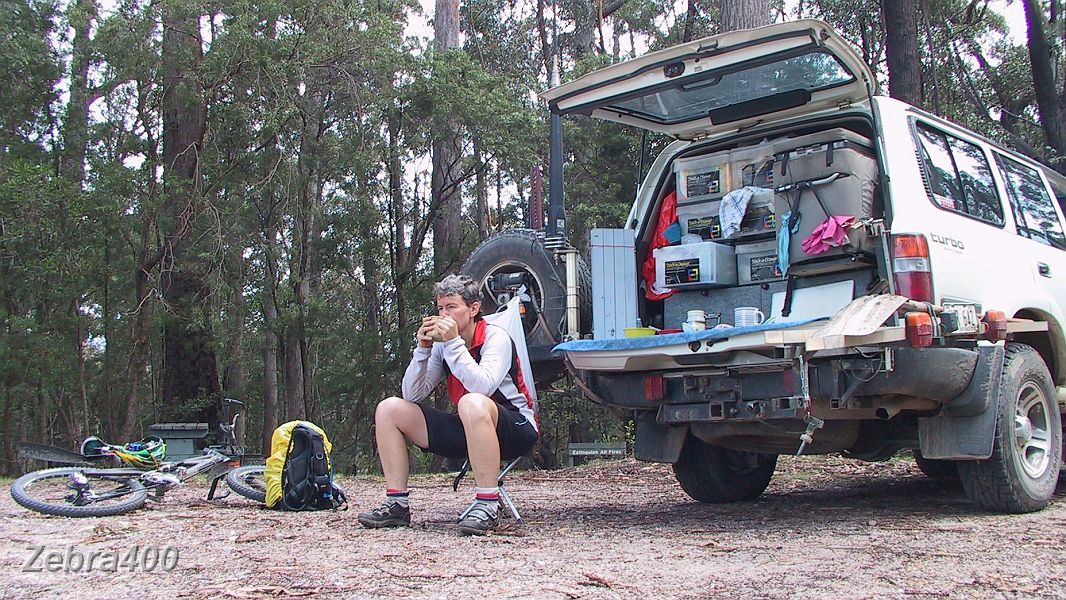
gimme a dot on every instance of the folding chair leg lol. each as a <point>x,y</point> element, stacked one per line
<point>505,498</point>
<point>466,512</point>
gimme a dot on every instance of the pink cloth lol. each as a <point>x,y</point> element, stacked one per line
<point>830,233</point>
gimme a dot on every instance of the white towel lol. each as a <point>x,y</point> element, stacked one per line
<point>734,205</point>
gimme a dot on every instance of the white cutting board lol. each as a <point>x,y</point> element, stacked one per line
<point>812,302</point>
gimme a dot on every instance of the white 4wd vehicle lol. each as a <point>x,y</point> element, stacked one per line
<point>793,190</point>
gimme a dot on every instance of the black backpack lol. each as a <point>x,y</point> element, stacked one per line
<point>306,478</point>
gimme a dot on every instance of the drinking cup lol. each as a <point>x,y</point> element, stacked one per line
<point>433,333</point>
<point>747,316</point>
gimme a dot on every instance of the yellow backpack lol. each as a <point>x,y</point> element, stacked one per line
<point>298,472</point>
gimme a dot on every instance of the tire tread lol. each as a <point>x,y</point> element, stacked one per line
<point>988,482</point>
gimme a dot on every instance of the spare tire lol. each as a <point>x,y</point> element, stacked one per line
<point>522,251</point>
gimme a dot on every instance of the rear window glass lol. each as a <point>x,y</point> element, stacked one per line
<point>1031,204</point>
<point>694,99</point>
<point>958,175</point>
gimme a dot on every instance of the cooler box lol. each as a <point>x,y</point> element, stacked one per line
<point>802,160</point>
<point>703,264</point>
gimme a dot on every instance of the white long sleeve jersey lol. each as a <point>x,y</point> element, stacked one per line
<point>490,367</point>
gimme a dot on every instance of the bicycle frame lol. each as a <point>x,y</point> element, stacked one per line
<point>170,474</point>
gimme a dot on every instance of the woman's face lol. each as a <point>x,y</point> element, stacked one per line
<point>455,307</point>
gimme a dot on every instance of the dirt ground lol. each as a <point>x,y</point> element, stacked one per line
<point>826,528</point>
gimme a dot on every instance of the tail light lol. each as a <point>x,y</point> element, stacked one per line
<point>911,268</point>
<point>995,325</point>
<point>654,390</point>
<point>919,329</point>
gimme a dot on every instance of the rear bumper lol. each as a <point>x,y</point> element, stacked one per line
<point>845,387</point>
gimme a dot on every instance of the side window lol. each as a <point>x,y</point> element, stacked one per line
<point>1060,194</point>
<point>1032,206</point>
<point>959,176</point>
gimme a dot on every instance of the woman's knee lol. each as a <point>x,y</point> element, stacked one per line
<point>390,408</point>
<point>476,406</point>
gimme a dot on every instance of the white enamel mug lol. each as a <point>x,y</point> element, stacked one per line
<point>747,316</point>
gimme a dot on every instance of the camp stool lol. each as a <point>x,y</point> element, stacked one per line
<point>505,498</point>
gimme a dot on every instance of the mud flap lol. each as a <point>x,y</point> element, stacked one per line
<point>966,426</point>
<point>658,443</point>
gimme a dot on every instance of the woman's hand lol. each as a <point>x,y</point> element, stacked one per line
<point>425,331</point>
<point>447,330</point>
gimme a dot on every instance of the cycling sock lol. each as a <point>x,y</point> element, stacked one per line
<point>397,497</point>
<point>488,497</point>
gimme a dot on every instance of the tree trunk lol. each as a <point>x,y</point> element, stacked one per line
<point>270,377</point>
<point>481,193</point>
<point>270,345</point>
<point>546,54</point>
<point>80,418</point>
<point>191,386</point>
<point>137,367</point>
<point>901,50</point>
<point>190,368</point>
<point>233,373</point>
<point>82,17</point>
<point>1050,96</point>
<point>690,22</point>
<point>446,192</point>
<point>745,14</point>
<point>110,408</point>
<point>398,216</point>
<point>294,376</point>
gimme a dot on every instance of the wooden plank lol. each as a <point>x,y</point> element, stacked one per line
<point>788,336</point>
<point>1025,325</point>
<point>862,316</point>
<point>880,336</point>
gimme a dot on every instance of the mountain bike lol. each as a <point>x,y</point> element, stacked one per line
<point>90,491</point>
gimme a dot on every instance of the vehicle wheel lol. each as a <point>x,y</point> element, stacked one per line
<point>47,491</point>
<point>248,482</point>
<point>713,474</point>
<point>522,251</point>
<point>933,468</point>
<point>1023,470</point>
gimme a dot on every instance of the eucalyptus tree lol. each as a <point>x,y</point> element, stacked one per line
<point>1046,33</point>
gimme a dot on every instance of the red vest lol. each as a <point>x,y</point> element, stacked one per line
<point>456,390</point>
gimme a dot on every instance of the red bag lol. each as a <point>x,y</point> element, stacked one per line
<point>667,217</point>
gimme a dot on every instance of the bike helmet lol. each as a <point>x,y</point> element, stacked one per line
<point>92,446</point>
<point>145,454</point>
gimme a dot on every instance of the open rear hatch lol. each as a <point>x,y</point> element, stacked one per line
<point>728,81</point>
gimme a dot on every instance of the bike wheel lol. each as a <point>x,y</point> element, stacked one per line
<point>47,491</point>
<point>248,482</point>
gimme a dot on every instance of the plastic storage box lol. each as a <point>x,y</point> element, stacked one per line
<point>701,217</point>
<point>703,177</point>
<point>757,263</point>
<point>703,264</point>
<point>702,181</point>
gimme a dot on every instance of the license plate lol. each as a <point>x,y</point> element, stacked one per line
<point>968,321</point>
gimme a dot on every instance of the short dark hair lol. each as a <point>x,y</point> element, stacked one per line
<point>458,285</point>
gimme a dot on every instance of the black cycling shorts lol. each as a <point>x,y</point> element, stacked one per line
<point>448,438</point>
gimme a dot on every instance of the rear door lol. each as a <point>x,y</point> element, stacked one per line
<point>725,82</point>
<point>1039,223</point>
